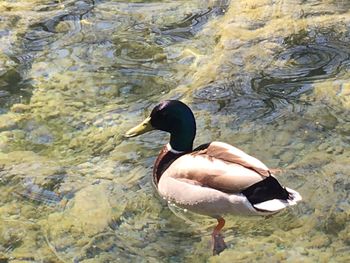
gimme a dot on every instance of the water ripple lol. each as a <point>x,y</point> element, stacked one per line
<point>190,25</point>
<point>213,91</point>
<point>309,62</point>
<point>278,89</point>
<point>295,70</point>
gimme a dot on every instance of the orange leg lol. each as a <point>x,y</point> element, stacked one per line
<point>218,242</point>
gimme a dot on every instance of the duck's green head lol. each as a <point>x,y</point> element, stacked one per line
<point>171,116</point>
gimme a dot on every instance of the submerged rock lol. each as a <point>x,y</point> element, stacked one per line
<point>90,211</point>
<point>84,218</point>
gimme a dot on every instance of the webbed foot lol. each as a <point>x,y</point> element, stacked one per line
<point>218,242</point>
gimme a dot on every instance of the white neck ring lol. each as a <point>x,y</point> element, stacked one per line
<point>168,146</point>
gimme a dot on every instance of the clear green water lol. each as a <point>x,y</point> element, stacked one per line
<point>271,77</point>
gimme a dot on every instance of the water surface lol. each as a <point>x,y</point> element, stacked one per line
<point>270,77</point>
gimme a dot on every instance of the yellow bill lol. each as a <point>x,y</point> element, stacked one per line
<point>142,128</point>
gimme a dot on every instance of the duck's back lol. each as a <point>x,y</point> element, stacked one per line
<point>218,166</point>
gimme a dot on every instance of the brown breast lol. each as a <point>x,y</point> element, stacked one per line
<point>164,160</point>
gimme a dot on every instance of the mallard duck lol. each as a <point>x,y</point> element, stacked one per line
<point>213,179</point>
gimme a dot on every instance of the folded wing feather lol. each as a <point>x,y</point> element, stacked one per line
<point>232,154</point>
<point>220,166</point>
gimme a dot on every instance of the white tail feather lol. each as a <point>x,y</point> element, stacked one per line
<point>276,205</point>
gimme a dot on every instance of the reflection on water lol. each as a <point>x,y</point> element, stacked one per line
<point>271,78</point>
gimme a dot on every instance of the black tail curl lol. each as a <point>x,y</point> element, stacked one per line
<point>267,189</point>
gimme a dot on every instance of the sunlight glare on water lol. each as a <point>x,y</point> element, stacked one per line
<point>270,77</point>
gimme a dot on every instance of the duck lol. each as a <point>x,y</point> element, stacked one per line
<point>214,179</point>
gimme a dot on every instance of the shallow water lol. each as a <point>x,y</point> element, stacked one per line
<point>271,77</point>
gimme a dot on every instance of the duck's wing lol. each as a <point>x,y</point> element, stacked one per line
<point>231,154</point>
<point>219,166</point>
